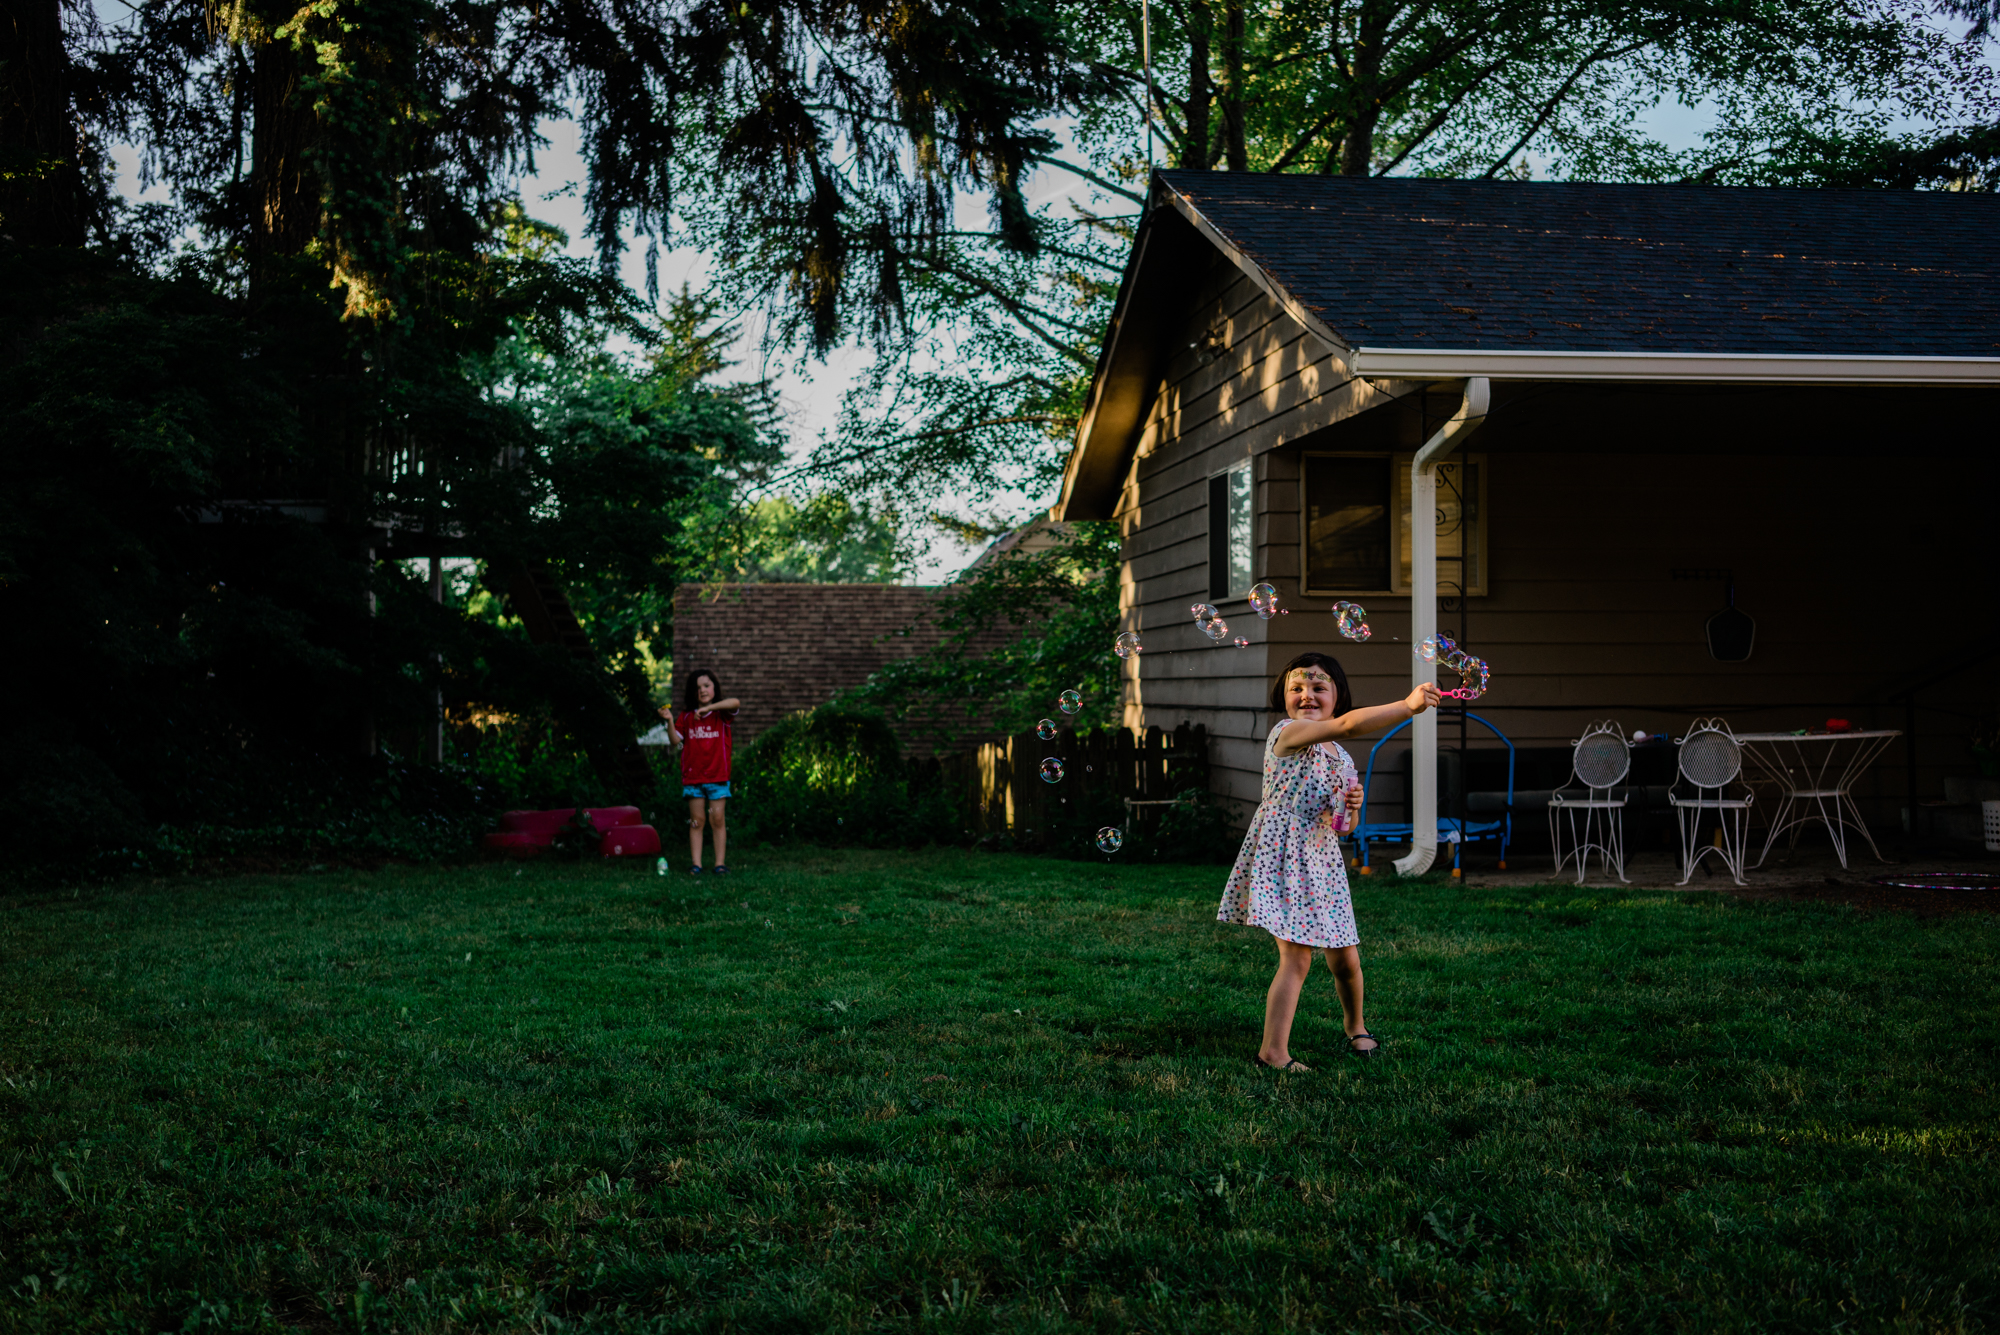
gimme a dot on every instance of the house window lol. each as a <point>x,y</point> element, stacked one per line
<point>1347,523</point>
<point>1229,533</point>
<point>1461,525</point>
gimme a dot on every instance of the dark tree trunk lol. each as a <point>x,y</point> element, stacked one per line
<point>41,186</point>
<point>1201,92</point>
<point>284,191</point>
<point>1235,153</point>
<point>1371,30</point>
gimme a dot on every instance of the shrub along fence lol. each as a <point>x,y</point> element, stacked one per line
<point>1151,786</point>
<point>837,777</point>
<point>1129,779</point>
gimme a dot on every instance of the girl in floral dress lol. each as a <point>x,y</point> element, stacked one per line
<point>1290,878</point>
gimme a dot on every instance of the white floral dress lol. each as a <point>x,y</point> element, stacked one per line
<point>1290,879</point>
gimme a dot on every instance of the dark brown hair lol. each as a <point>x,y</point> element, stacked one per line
<point>694,686</point>
<point>1343,699</point>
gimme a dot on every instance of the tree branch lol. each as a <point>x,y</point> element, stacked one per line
<point>1090,176</point>
<point>1023,316</point>
<point>1304,141</point>
<point>1443,114</point>
<point>1555,100</point>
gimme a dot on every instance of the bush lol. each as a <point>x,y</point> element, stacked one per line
<point>531,763</point>
<point>838,776</point>
<point>1194,830</point>
<point>304,808</point>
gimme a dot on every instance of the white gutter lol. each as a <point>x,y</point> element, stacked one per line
<point>1423,618</point>
<point>1774,368</point>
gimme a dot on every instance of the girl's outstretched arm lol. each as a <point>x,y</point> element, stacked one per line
<point>719,706</point>
<point>1356,722</point>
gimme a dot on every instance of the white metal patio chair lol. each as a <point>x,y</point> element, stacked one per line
<point>1593,820</point>
<point>1711,762</point>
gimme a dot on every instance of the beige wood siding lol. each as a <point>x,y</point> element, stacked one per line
<point>1245,378</point>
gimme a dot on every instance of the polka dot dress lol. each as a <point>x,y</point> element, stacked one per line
<point>1290,879</point>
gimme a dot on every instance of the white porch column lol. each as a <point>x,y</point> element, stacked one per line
<point>1423,617</point>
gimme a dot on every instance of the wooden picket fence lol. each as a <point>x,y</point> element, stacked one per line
<point>1002,787</point>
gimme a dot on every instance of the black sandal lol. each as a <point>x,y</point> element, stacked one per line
<point>1353,1051</point>
<point>1294,1064</point>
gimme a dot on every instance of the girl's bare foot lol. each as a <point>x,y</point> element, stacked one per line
<point>1292,1064</point>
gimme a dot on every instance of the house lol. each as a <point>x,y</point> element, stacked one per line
<point>1571,421</point>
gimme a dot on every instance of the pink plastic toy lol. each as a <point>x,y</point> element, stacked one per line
<point>1340,825</point>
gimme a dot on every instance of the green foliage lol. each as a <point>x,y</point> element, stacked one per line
<point>529,763</point>
<point>637,478</point>
<point>1056,613</point>
<point>362,322</point>
<point>980,1093</point>
<point>1194,831</point>
<point>828,538</point>
<point>836,777</point>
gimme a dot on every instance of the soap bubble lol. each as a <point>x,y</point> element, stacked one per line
<point>1445,643</point>
<point>1352,619</point>
<point>1242,643</point>
<point>1264,600</point>
<point>1046,730</point>
<point>1427,650</point>
<point>1070,702</point>
<point>1473,675</point>
<point>1110,839</point>
<point>1217,630</point>
<point>1128,644</point>
<point>1203,614</point>
<point>1052,770</point>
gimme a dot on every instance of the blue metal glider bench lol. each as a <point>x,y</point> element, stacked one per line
<point>1475,831</point>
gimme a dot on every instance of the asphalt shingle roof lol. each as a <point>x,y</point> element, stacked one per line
<point>1558,267</point>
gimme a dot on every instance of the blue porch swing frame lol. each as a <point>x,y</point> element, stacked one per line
<point>1502,830</point>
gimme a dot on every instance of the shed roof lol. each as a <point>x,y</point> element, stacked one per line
<point>1490,265</point>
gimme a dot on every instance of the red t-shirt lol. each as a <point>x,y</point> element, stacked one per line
<point>705,752</point>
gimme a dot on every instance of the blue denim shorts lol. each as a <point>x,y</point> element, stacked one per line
<point>714,792</point>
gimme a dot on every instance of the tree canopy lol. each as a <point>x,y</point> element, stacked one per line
<point>229,420</point>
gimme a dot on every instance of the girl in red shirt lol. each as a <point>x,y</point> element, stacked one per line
<point>703,733</point>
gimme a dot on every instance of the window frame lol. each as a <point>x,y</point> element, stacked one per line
<point>1218,533</point>
<point>1305,524</point>
<point>1398,465</point>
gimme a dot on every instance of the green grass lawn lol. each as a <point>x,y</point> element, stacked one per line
<point>946,1090</point>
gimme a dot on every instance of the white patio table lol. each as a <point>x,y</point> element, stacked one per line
<point>1814,772</point>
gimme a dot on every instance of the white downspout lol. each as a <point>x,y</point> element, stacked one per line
<point>1423,618</point>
